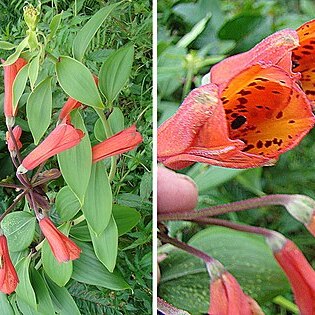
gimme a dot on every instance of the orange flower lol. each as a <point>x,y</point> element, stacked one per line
<point>121,142</point>
<point>300,274</point>
<point>62,247</point>
<point>252,111</point>
<point>227,298</point>
<point>10,72</point>
<point>8,275</point>
<point>62,138</point>
<point>17,132</point>
<point>70,105</point>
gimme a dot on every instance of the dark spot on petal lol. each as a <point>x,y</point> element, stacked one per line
<point>268,143</point>
<point>290,137</point>
<point>266,107</point>
<point>242,100</point>
<point>225,101</point>
<point>260,106</point>
<point>252,84</point>
<point>238,122</point>
<point>260,87</point>
<point>282,81</point>
<point>275,92</point>
<point>294,64</point>
<point>307,33</point>
<point>249,147</point>
<point>261,79</point>
<point>308,47</point>
<point>279,115</point>
<point>312,42</point>
<point>244,92</point>
<point>244,140</point>
<point>309,92</point>
<point>259,144</point>
<point>228,111</point>
<point>291,121</point>
<point>305,52</point>
<point>234,115</point>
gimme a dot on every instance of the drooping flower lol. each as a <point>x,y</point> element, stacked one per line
<point>119,143</point>
<point>10,73</point>
<point>62,138</point>
<point>252,111</point>
<point>17,132</point>
<point>62,247</point>
<point>228,298</point>
<point>8,276</point>
<point>70,105</point>
<point>299,272</point>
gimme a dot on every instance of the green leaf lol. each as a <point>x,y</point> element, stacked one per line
<point>19,228</point>
<point>207,177</point>
<point>6,45</point>
<point>53,26</point>
<point>194,33</point>
<point>252,180</point>
<point>60,273</point>
<point>33,70</point>
<point>100,275</point>
<point>116,120</point>
<point>5,306</point>
<point>77,81</point>
<point>126,218</point>
<point>15,56</point>
<point>19,85</point>
<point>85,35</point>
<point>115,72</point>
<point>185,281</point>
<point>67,204</point>
<point>39,108</point>
<point>97,207</point>
<point>62,300</point>
<point>106,245</point>
<point>75,163</point>
<point>45,306</point>
<point>81,232</point>
<point>24,290</point>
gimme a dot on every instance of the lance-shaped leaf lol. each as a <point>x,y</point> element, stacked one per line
<point>97,207</point>
<point>5,306</point>
<point>24,289</point>
<point>115,72</point>
<point>75,163</point>
<point>106,245</point>
<point>77,81</point>
<point>53,26</point>
<point>38,109</point>
<point>67,204</point>
<point>33,70</point>
<point>19,86</point>
<point>85,35</point>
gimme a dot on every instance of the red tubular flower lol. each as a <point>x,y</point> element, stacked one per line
<point>8,275</point>
<point>121,142</point>
<point>62,138</point>
<point>10,72</point>
<point>300,274</point>
<point>17,132</point>
<point>227,298</point>
<point>253,111</point>
<point>62,247</point>
<point>70,105</point>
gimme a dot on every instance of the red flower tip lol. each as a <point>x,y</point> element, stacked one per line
<point>228,298</point>
<point>62,138</point>
<point>70,105</point>
<point>17,132</point>
<point>300,274</point>
<point>62,247</point>
<point>119,143</point>
<point>8,275</point>
<point>10,73</point>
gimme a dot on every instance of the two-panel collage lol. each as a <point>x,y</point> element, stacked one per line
<point>157,157</point>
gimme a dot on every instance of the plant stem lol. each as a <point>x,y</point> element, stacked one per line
<point>78,220</point>
<point>288,305</point>
<point>269,200</point>
<point>109,133</point>
<point>235,226</point>
<point>16,200</point>
<point>18,154</point>
<point>13,186</point>
<point>187,248</point>
<point>39,169</point>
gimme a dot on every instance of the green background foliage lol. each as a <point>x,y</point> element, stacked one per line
<point>192,36</point>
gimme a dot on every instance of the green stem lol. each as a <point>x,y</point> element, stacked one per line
<point>188,81</point>
<point>109,133</point>
<point>288,305</point>
<point>78,220</point>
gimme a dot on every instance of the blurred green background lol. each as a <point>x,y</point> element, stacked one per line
<point>192,36</point>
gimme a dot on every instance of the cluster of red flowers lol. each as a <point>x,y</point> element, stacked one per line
<point>257,105</point>
<point>63,137</point>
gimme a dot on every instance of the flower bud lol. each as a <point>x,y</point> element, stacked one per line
<point>31,16</point>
